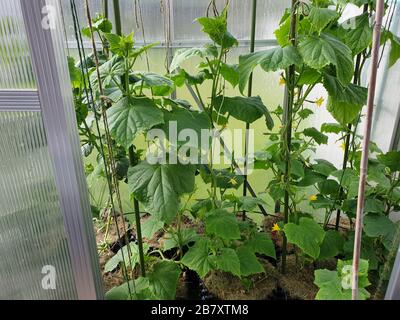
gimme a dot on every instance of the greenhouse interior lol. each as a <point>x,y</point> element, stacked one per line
<point>199,150</point>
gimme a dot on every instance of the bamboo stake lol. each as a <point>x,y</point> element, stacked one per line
<point>365,144</point>
<point>249,93</point>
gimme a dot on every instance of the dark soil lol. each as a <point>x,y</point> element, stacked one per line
<point>225,286</point>
<point>296,284</point>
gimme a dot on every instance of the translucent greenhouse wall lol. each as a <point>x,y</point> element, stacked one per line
<point>38,226</point>
<point>47,248</point>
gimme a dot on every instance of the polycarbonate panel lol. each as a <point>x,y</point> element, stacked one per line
<point>184,12</point>
<point>32,233</point>
<point>130,17</point>
<point>387,104</point>
<point>239,16</point>
<point>15,62</point>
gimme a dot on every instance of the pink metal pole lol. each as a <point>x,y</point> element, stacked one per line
<point>365,144</point>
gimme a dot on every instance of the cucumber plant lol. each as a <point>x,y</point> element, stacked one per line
<point>227,244</point>
<point>315,49</point>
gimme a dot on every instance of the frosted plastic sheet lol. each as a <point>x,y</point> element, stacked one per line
<point>32,231</point>
<point>183,14</point>
<point>15,62</point>
<point>387,103</point>
<point>268,16</point>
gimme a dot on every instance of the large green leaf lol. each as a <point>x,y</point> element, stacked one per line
<point>160,186</point>
<point>345,102</point>
<point>151,226</point>
<point>332,245</point>
<point>222,224</point>
<point>244,109</point>
<point>394,51</point>
<point>109,71</point>
<point>185,236</point>
<point>249,203</point>
<point>126,290</point>
<point>120,45</point>
<point>359,37</point>
<point>280,58</point>
<point>378,225</point>
<point>131,116</point>
<point>321,17</point>
<point>261,243</point>
<point>164,279</point>
<point>307,235</point>
<point>198,258</point>
<point>182,55</point>
<point>373,205</point>
<point>319,52</point>
<point>249,263</point>
<point>160,85</point>
<point>227,260</point>
<point>282,33</point>
<point>216,28</point>
<point>332,128</point>
<point>230,72</point>
<point>329,187</point>
<point>336,285</point>
<point>318,137</point>
<point>123,256</point>
<point>329,284</point>
<point>74,72</point>
<point>323,167</point>
<point>270,60</point>
<point>100,23</point>
<point>391,160</point>
<point>247,63</point>
<point>185,119</point>
<point>311,178</point>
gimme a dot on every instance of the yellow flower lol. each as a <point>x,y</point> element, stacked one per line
<point>282,81</point>
<point>313,198</point>
<point>233,182</point>
<point>319,102</point>
<point>276,227</point>
<point>343,146</point>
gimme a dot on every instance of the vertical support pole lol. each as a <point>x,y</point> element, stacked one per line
<point>170,34</point>
<point>249,93</point>
<point>365,145</point>
<point>287,122</point>
<point>117,15</point>
<point>131,151</point>
<point>50,66</point>
<point>105,8</point>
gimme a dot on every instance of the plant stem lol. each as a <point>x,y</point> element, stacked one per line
<point>365,144</point>
<point>249,93</point>
<point>131,150</point>
<point>287,122</point>
<point>356,80</point>
<point>137,220</point>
